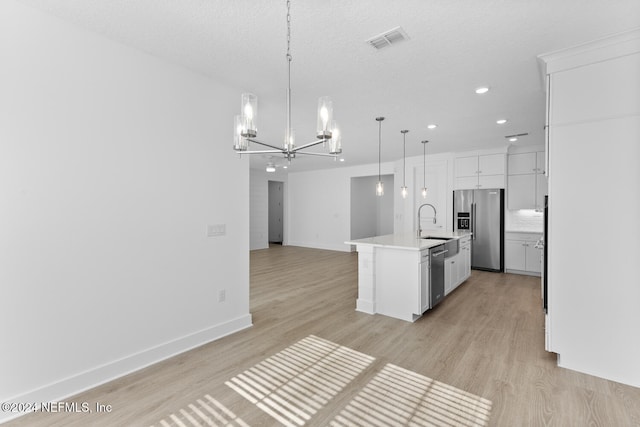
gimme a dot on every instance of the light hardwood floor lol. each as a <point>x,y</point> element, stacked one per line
<point>482,346</point>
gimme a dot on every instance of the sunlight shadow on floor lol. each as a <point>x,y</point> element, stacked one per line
<point>294,384</point>
<point>204,412</point>
<point>399,397</point>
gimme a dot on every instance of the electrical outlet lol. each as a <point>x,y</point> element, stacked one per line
<point>222,295</point>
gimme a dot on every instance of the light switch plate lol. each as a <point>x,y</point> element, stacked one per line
<point>214,230</point>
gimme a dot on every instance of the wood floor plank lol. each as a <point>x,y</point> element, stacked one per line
<point>485,339</point>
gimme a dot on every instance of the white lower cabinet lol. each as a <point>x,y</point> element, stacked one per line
<point>450,274</point>
<point>457,269</point>
<point>521,255</point>
<point>465,258</point>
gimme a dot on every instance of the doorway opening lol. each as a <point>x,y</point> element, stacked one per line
<point>276,212</point>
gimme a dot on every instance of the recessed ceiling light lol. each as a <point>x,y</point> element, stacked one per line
<point>482,90</point>
<point>513,139</point>
<point>342,160</point>
<point>285,167</point>
<point>432,126</point>
<point>501,121</point>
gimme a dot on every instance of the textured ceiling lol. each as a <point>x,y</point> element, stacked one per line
<point>454,46</point>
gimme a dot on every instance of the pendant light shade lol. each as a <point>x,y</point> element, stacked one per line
<point>424,170</point>
<point>379,185</point>
<point>249,114</point>
<point>325,117</point>
<point>403,189</point>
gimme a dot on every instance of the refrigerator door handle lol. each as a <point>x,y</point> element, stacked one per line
<point>473,221</point>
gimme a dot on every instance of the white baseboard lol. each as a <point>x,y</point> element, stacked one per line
<point>341,247</point>
<point>86,380</point>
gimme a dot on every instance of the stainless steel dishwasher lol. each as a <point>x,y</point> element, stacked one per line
<point>436,274</point>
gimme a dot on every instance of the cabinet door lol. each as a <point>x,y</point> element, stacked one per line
<point>491,181</point>
<point>466,166</point>
<point>541,190</point>
<point>514,255</point>
<point>460,266</point>
<point>541,162</point>
<point>491,164</point>
<point>532,258</point>
<point>467,183</point>
<point>466,262</point>
<point>521,191</point>
<point>522,163</point>
<point>448,275</point>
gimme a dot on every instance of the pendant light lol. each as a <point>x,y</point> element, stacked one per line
<point>379,185</point>
<point>403,189</point>
<point>424,170</point>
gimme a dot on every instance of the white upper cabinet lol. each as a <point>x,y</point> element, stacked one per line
<point>480,171</point>
<point>522,163</point>
<point>526,182</point>
<point>491,164</point>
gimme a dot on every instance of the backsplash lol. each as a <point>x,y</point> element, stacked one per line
<point>524,220</point>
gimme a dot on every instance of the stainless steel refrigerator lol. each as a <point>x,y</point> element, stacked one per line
<point>482,213</point>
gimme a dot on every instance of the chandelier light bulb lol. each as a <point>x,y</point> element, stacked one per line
<point>379,189</point>
<point>403,191</point>
<point>424,192</point>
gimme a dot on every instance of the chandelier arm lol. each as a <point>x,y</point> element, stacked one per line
<point>266,145</point>
<point>262,152</point>
<point>308,153</point>
<point>311,144</point>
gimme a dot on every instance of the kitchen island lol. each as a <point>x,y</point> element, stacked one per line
<point>393,272</point>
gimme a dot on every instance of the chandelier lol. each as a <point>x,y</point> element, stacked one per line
<point>245,129</point>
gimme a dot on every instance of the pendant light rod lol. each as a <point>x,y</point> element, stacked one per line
<point>424,169</point>
<point>289,59</point>
<point>403,189</point>
<point>404,155</point>
<point>379,120</point>
<point>380,185</point>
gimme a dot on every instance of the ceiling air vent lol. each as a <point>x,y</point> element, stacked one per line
<point>393,36</point>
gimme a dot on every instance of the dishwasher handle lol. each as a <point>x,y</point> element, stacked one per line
<point>440,253</point>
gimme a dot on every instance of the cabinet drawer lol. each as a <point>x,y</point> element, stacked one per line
<point>531,237</point>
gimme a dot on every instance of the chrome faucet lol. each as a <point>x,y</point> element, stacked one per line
<point>434,216</point>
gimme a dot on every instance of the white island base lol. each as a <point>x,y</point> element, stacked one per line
<point>393,273</point>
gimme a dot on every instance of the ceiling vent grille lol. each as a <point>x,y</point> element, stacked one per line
<point>516,135</point>
<point>388,38</point>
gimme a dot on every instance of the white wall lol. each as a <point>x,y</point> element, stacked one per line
<point>111,169</point>
<point>371,215</point>
<point>319,208</point>
<point>594,291</point>
<point>320,201</point>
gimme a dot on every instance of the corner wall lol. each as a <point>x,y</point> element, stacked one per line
<point>111,170</point>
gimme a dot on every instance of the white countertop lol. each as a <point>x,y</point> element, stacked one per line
<point>408,241</point>
<point>524,231</point>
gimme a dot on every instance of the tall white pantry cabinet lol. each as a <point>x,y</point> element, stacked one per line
<point>593,144</point>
